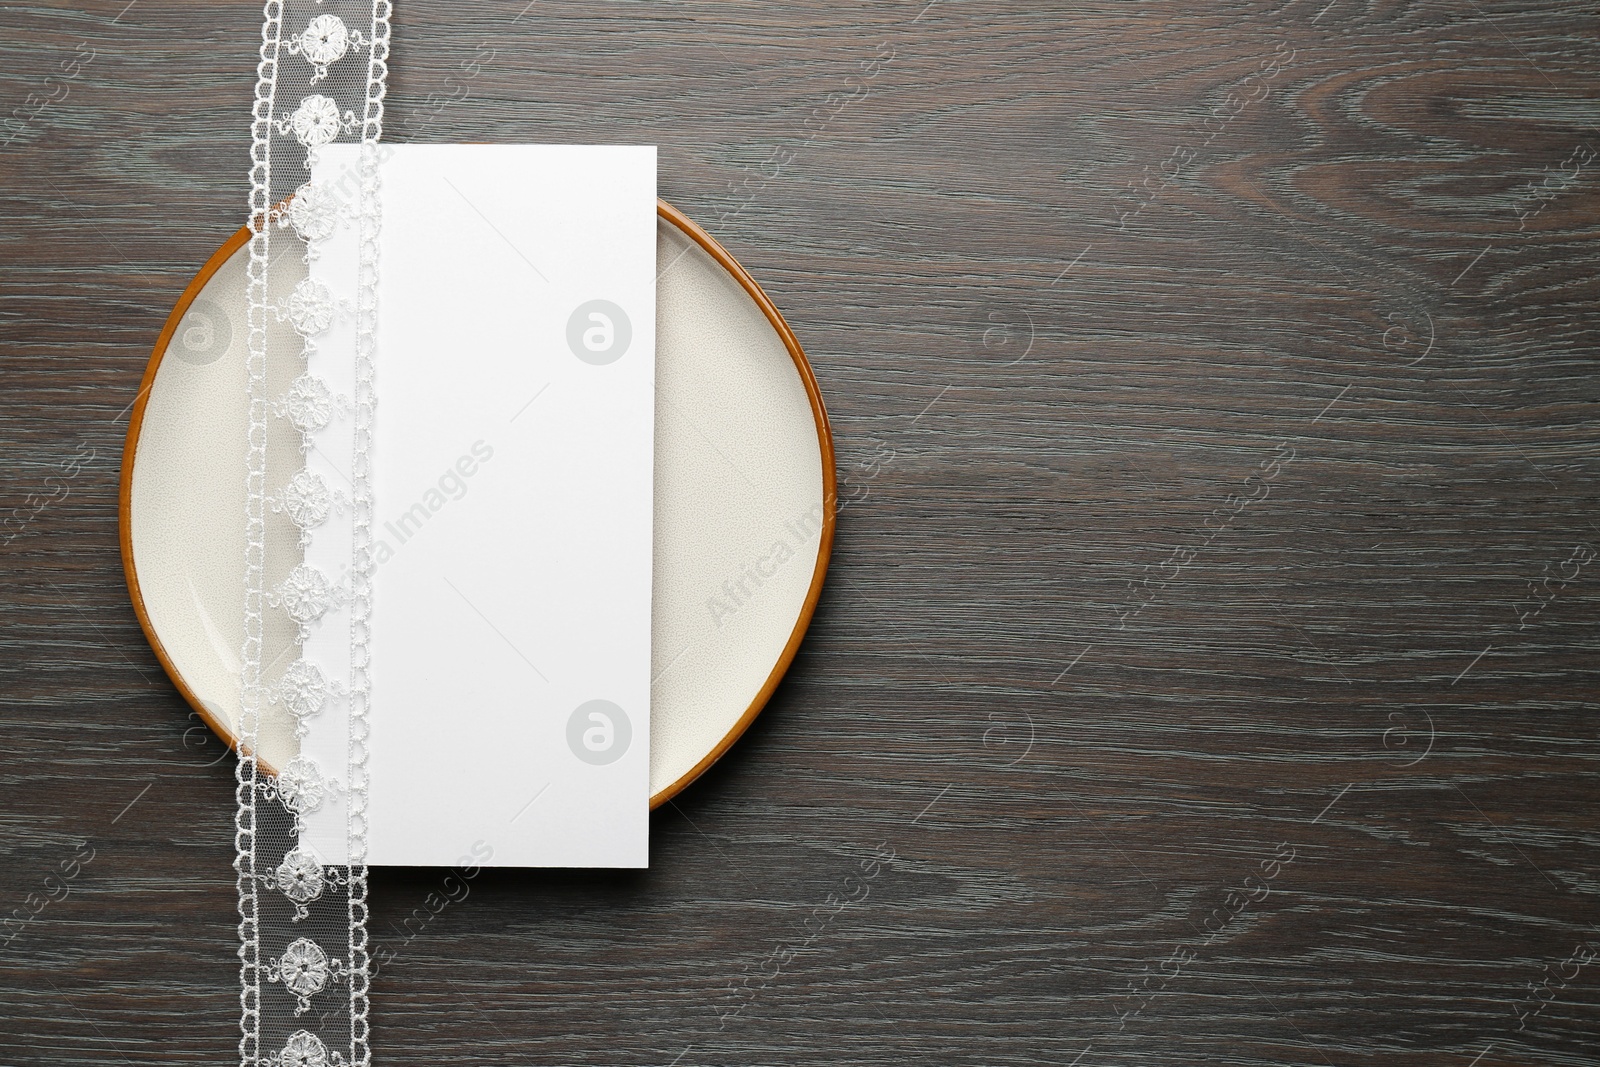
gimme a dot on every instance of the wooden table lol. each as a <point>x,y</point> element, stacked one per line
<point>1210,637</point>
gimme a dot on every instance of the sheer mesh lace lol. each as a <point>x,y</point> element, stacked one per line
<point>303,948</point>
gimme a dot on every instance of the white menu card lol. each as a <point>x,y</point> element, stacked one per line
<point>510,713</point>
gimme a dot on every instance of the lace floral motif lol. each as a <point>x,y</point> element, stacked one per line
<point>307,405</point>
<point>300,786</point>
<point>308,502</point>
<point>310,308</point>
<point>323,42</point>
<point>313,213</point>
<point>301,878</point>
<point>317,121</point>
<point>304,1049</point>
<point>305,596</point>
<point>305,970</point>
<point>303,691</point>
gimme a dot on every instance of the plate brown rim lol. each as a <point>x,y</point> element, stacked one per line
<point>708,244</point>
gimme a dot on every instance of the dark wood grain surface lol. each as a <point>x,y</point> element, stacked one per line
<point>1211,636</point>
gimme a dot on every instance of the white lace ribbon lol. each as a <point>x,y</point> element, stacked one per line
<point>303,948</point>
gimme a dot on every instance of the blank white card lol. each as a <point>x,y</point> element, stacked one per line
<point>510,716</point>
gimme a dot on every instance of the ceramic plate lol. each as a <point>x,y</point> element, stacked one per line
<point>743,486</point>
